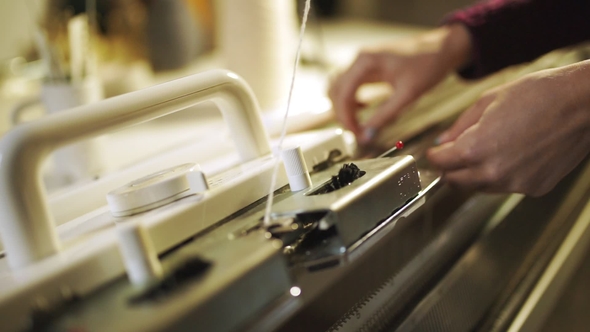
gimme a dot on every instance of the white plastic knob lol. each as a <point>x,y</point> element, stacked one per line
<point>296,169</point>
<point>139,256</point>
<point>156,190</point>
<point>197,180</point>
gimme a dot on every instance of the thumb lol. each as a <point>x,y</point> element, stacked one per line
<point>470,117</point>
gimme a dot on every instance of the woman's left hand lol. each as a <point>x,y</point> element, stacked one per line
<point>521,137</point>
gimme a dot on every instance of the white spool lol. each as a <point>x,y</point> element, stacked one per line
<point>296,169</point>
<point>257,39</point>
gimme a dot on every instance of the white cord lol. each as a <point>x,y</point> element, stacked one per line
<point>275,171</point>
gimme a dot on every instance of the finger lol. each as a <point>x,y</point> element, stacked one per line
<point>340,106</point>
<point>466,120</point>
<point>343,94</point>
<point>445,157</point>
<point>462,153</point>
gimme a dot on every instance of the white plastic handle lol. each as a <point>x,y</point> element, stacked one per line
<point>26,226</point>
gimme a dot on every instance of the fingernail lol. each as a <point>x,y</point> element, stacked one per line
<point>441,139</point>
<point>369,134</point>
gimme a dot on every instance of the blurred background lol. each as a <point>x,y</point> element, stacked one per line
<point>57,54</point>
<point>126,45</point>
<point>423,12</point>
<point>18,17</point>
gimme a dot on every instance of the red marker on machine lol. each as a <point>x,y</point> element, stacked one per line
<point>398,146</point>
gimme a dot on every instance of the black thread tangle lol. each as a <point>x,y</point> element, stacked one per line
<point>346,175</point>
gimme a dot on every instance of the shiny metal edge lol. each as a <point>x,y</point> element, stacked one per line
<point>376,233</point>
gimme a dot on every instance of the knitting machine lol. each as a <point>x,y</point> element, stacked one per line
<point>349,244</point>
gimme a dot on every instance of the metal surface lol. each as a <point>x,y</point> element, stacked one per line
<point>478,292</point>
<point>554,280</point>
<point>570,313</point>
<point>335,296</point>
<point>355,209</point>
<point>376,309</point>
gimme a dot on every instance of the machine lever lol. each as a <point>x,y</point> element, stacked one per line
<point>26,226</point>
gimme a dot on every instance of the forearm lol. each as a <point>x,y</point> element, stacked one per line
<point>507,32</point>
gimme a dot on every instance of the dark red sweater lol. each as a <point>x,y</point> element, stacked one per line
<point>507,32</point>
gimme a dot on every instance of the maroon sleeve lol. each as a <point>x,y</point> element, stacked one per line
<point>507,32</point>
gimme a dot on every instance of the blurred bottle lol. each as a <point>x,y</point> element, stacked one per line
<point>174,36</point>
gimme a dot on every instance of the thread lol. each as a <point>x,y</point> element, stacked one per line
<point>273,181</point>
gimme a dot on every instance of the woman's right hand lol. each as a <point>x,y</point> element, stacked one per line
<point>411,67</point>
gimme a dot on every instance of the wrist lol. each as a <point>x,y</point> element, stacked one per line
<point>585,89</point>
<point>456,46</point>
<point>571,85</point>
<point>577,79</point>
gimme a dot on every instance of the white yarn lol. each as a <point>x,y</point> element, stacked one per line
<point>258,43</point>
<point>273,181</point>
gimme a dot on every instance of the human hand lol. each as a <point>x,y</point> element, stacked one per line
<point>522,137</point>
<point>411,67</point>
